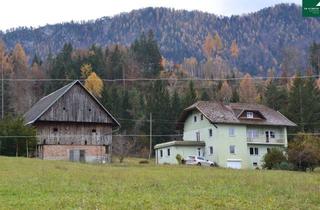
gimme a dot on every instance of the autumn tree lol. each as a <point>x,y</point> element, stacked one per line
<point>5,70</point>
<point>21,98</point>
<point>234,50</point>
<point>225,93</point>
<point>304,152</point>
<point>247,90</point>
<point>208,46</point>
<point>94,84</point>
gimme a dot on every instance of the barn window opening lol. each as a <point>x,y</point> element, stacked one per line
<point>64,108</point>
<point>44,141</point>
<point>94,130</point>
<point>58,142</point>
<point>89,110</point>
<point>107,149</point>
<point>85,142</point>
<point>55,129</point>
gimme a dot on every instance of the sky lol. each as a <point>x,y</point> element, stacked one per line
<point>35,13</point>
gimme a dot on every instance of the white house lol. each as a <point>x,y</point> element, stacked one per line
<point>236,135</point>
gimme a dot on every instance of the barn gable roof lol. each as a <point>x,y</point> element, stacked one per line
<point>220,113</point>
<point>39,108</point>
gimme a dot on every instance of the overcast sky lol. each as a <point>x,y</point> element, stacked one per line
<point>36,13</point>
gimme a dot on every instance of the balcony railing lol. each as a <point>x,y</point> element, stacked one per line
<point>264,140</point>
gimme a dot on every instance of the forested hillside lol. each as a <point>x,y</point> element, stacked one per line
<point>269,38</point>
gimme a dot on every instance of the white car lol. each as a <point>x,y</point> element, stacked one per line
<point>200,161</point>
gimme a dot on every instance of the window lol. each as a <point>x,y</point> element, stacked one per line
<point>268,150</point>
<point>250,115</point>
<point>55,129</point>
<point>168,151</point>
<point>252,134</point>
<point>255,164</point>
<point>94,130</point>
<point>198,136</point>
<point>251,151</point>
<point>272,135</point>
<point>195,118</point>
<point>210,132</point>
<point>89,110</point>
<point>232,149</point>
<point>211,150</point>
<point>199,151</point>
<point>161,153</point>
<point>254,151</point>
<point>231,131</point>
<point>269,134</point>
<point>85,142</point>
<point>201,116</point>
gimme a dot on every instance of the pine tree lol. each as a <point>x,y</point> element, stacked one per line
<point>276,98</point>
<point>191,95</point>
<point>146,51</point>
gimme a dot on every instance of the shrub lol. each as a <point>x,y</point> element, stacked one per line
<point>284,166</point>
<point>274,157</point>
<point>179,158</point>
<point>304,152</point>
<point>143,162</point>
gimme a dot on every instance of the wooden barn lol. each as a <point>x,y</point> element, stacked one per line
<point>72,125</point>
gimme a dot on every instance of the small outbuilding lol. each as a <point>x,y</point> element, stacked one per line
<point>72,125</point>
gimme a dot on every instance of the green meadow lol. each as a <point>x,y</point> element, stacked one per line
<point>37,184</point>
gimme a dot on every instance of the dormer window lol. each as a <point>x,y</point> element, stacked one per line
<point>250,115</point>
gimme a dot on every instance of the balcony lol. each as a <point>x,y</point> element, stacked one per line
<point>264,140</point>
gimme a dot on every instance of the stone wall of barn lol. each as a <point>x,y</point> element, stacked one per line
<point>92,153</point>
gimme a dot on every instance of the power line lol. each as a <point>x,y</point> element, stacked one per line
<point>147,135</point>
<point>165,79</point>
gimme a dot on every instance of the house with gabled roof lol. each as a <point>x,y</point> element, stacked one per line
<point>235,135</point>
<point>72,125</point>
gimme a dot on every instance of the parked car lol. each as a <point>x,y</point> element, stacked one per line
<point>200,161</point>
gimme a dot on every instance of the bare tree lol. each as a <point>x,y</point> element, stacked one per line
<point>122,146</point>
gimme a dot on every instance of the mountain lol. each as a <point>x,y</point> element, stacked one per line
<point>265,38</point>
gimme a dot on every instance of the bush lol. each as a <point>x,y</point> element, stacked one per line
<point>273,159</point>
<point>284,166</point>
<point>179,159</point>
<point>304,152</point>
<point>143,162</point>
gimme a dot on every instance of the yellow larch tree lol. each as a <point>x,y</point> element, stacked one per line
<point>94,84</point>
<point>248,92</point>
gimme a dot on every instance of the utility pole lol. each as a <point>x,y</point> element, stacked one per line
<point>2,89</point>
<point>150,143</point>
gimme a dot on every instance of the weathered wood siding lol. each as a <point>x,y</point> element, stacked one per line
<point>73,133</point>
<point>76,106</point>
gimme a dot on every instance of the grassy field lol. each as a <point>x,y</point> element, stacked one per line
<point>37,184</point>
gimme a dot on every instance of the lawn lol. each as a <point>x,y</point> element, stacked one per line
<point>36,184</point>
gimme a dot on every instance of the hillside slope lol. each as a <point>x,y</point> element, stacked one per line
<point>37,184</point>
<point>262,36</point>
